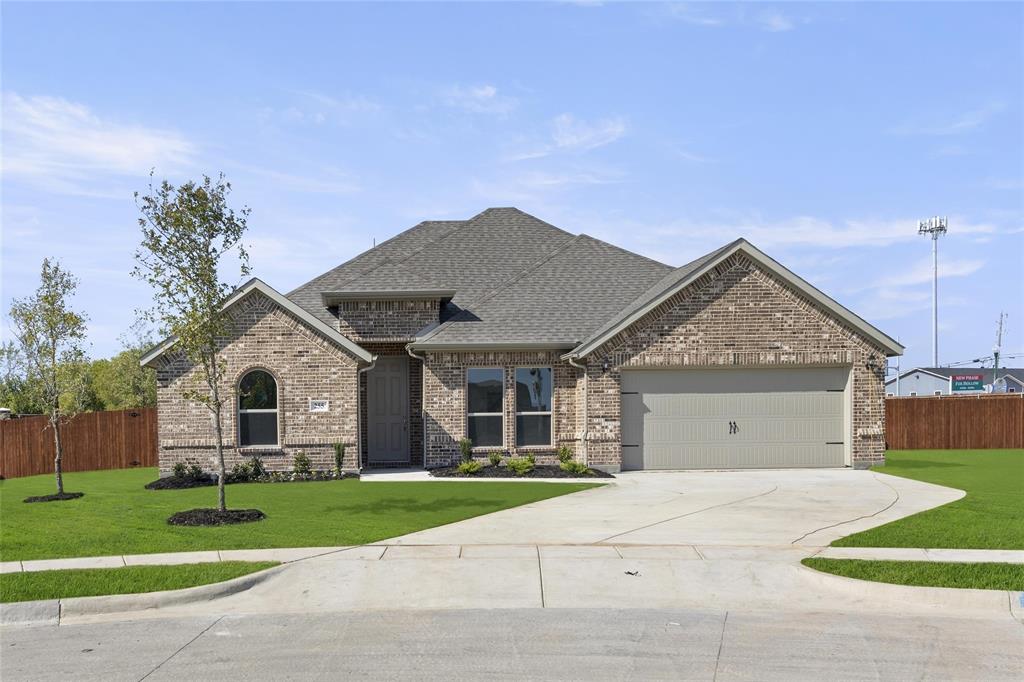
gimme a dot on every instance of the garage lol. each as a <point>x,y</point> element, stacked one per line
<point>751,418</point>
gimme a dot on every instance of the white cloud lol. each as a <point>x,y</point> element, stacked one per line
<point>955,125</point>
<point>64,146</point>
<point>574,134</point>
<point>775,22</point>
<point>922,272</point>
<point>480,99</point>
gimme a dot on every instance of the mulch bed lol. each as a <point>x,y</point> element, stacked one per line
<point>539,471</point>
<point>182,482</point>
<point>56,497</point>
<point>215,517</point>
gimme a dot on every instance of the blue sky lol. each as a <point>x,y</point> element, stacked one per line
<point>821,132</point>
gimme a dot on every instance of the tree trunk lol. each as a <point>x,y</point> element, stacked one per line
<point>219,428</point>
<point>58,454</point>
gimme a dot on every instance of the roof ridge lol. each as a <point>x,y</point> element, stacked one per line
<point>502,286</point>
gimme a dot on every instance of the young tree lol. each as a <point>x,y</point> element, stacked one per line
<point>50,335</point>
<point>188,233</point>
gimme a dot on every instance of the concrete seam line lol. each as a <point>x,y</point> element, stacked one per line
<point>697,550</point>
<point>721,641</point>
<point>540,575</point>
<point>158,666</point>
<point>616,548</point>
<point>866,516</point>
<point>696,511</point>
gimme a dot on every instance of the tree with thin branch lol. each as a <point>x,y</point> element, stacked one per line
<point>51,336</point>
<point>188,235</point>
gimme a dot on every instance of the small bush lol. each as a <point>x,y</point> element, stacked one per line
<point>494,458</point>
<point>531,459</point>
<point>575,468</point>
<point>301,464</point>
<point>466,448</point>
<point>564,454</point>
<point>179,470</point>
<point>241,472</point>
<point>339,455</point>
<point>520,466</point>
<point>195,472</point>
<point>256,468</point>
<point>470,467</point>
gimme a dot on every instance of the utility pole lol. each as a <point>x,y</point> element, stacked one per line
<point>935,227</point>
<point>995,351</point>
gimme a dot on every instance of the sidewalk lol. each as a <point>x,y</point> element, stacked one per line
<point>621,551</point>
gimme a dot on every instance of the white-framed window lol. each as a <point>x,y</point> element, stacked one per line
<point>938,392</point>
<point>889,395</point>
<point>913,393</point>
<point>485,406</point>
<point>257,409</point>
<point>533,406</point>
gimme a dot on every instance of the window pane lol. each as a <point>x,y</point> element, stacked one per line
<point>485,390</point>
<point>533,429</point>
<point>257,391</point>
<point>533,389</point>
<point>485,431</point>
<point>257,428</point>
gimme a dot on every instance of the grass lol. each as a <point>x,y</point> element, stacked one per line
<point>991,516</point>
<point>118,516</point>
<point>89,582</point>
<point>981,576</point>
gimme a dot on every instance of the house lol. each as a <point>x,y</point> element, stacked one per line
<point>932,381</point>
<point>524,338</point>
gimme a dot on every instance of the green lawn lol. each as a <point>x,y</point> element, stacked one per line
<point>89,582</point>
<point>118,516</point>
<point>926,573</point>
<point>991,516</point>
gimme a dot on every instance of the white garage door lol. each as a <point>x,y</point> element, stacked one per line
<point>733,418</point>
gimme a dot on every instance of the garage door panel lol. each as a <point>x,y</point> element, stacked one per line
<point>679,419</point>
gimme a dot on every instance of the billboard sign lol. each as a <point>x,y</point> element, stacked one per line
<point>962,383</point>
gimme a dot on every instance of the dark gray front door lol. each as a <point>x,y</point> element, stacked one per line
<point>387,388</point>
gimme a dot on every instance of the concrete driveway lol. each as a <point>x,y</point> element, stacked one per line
<point>773,508</point>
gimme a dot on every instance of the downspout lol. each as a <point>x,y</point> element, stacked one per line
<point>423,397</point>
<point>586,403</point>
<point>359,411</point>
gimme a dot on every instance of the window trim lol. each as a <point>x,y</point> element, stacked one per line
<point>550,413</point>
<point>468,414</point>
<point>239,411</point>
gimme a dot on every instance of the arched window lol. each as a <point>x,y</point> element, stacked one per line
<point>257,409</point>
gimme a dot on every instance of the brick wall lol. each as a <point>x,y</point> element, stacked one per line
<point>444,402</point>
<point>305,365</point>
<point>385,320</point>
<point>737,315</point>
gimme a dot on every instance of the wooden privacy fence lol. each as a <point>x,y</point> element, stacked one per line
<point>118,439</point>
<point>949,422</point>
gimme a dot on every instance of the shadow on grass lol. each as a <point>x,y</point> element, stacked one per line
<point>408,504</point>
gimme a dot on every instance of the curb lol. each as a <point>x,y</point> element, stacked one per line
<point>53,611</point>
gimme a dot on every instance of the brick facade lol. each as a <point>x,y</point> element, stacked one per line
<point>305,365</point>
<point>737,315</point>
<point>444,402</point>
<point>385,320</point>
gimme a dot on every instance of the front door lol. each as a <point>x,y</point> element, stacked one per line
<point>387,389</point>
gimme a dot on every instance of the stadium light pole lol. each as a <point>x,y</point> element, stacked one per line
<point>935,227</point>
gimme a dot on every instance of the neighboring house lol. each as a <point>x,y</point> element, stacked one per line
<point>932,381</point>
<point>524,338</point>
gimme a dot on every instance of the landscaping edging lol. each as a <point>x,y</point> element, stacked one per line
<point>55,497</point>
<point>183,483</point>
<point>538,471</point>
<point>54,611</point>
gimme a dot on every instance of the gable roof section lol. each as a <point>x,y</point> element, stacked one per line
<point>916,370</point>
<point>313,322</point>
<point>553,304</point>
<point>1013,373</point>
<point>681,277</point>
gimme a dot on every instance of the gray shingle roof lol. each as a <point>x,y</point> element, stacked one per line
<point>556,302</point>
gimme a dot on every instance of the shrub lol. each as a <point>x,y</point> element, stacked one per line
<point>494,458</point>
<point>520,466</point>
<point>470,467</point>
<point>339,455</point>
<point>195,472</point>
<point>466,448</point>
<point>531,459</point>
<point>564,454</point>
<point>179,470</point>
<point>242,471</point>
<point>301,464</point>
<point>575,468</point>
<point>256,468</point>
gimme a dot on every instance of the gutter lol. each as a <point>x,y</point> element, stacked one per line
<point>359,412</point>
<point>586,403</point>
<point>423,395</point>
